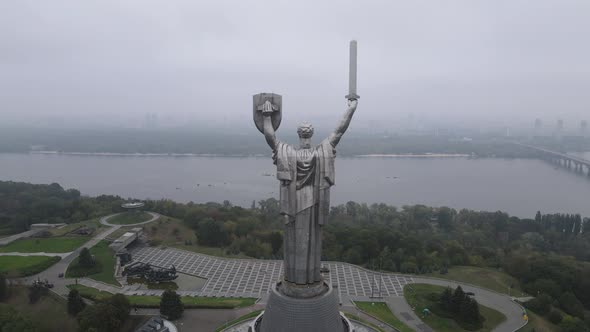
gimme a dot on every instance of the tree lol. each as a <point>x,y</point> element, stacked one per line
<point>555,317</point>
<point>36,291</point>
<point>101,317</point>
<point>212,233</point>
<point>75,302</point>
<point>570,304</point>
<point>85,259</point>
<point>12,321</point>
<point>171,305</point>
<point>445,218</point>
<point>445,298</point>
<point>573,324</point>
<point>276,241</point>
<point>3,287</point>
<point>457,299</point>
<point>122,306</point>
<point>469,311</point>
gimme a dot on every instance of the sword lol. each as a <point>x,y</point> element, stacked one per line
<point>352,73</point>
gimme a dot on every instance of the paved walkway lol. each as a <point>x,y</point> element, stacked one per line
<point>6,240</point>
<point>105,220</point>
<point>255,277</point>
<point>501,302</point>
<point>402,310</point>
<point>51,274</point>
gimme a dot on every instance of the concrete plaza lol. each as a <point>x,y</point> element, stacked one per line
<point>254,278</point>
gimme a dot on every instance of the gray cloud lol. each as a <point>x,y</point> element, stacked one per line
<point>498,61</point>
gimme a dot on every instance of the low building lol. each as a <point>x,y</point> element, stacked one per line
<point>126,239</point>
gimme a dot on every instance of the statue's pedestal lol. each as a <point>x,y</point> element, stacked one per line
<point>286,313</point>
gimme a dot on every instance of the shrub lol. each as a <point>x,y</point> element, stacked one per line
<point>555,317</point>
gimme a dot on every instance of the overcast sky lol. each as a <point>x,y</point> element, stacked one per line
<point>196,61</point>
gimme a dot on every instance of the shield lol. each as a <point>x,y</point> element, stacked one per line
<point>277,106</point>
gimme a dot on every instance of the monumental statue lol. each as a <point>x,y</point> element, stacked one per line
<point>306,173</point>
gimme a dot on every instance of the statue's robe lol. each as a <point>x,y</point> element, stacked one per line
<point>306,176</point>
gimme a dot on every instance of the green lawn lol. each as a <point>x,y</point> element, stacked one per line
<point>93,223</point>
<point>20,266</point>
<point>51,244</point>
<point>127,218</point>
<point>418,296</point>
<point>381,311</point>
<point>484,277</point>
<point>240,319</point>
<point>104,269</point>
<point>358,319</point>
<point>154,301</point>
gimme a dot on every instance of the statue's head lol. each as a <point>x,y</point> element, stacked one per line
<point>305,130</point>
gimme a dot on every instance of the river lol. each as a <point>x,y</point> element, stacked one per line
<point>517,186</point>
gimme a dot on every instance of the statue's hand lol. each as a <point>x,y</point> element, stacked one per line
<point>352,104</point>
<point>267,108</point>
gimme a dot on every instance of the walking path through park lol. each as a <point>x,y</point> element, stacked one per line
<point>9,239</point>
<point>105,220</point>
<point>500,302</point>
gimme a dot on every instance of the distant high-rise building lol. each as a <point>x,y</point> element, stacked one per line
<point>584,127</point>
<point>538,126</point>
<point>559,129</point>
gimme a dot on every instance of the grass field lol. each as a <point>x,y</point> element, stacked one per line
<point>485,277</point>
<point>538,324</point>
<point>127,218</point>
<point>154,301</point>
<point>21,266</point>
<point>358,319</point>
<point>418,297</point>
<point>381,311</point>
<point>94,223</point>
<point>104,269</point>
<point>171,232</point>
<point>51,244</point>
<point>240,319</point>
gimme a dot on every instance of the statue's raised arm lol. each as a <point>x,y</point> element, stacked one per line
<point>335,137</point>
<point>269,130</point>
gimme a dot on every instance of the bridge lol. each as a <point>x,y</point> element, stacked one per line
<point>563,159</point>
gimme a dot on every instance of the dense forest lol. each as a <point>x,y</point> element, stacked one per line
<point>548,253</point>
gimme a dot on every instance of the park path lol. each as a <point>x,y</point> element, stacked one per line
<point>6,240</point>
<point>52,273</point>
<point>105,220</point>
<point>500,302</point>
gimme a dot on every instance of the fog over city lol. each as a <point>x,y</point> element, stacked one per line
<point>109,63</point>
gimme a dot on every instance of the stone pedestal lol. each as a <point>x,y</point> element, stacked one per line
<point>285,313</point>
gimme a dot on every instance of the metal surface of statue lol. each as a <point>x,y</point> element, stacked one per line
<point>305,173</point>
